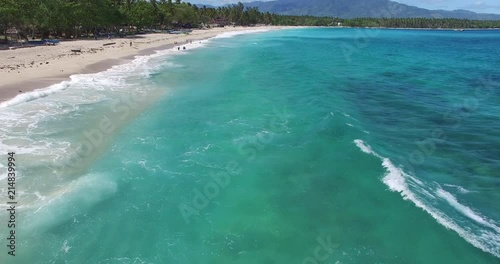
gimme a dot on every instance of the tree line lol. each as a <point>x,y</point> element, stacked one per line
<point>447,23</point>
<point>73,18</point>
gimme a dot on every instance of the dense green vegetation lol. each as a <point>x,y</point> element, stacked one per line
<point>74,18</point>
<point>420,23</point>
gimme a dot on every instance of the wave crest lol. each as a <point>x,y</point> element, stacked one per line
<point>486,239</point>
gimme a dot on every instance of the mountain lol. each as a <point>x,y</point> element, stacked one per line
<point>361,8</point>
<point>204,5</point>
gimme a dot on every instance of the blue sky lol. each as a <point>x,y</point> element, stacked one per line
<point>481,6</point>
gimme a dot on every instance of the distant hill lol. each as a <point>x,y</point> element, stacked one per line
<point>361,8</point>
<point>204,5</point>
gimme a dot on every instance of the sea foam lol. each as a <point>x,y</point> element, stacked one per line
<point>399,181</point>
<point>236,33</point>
<point>72,200</point>
<point>139,62</point>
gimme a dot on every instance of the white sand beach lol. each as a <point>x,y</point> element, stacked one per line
<point>26,69</point>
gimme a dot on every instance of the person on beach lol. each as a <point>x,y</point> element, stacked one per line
<point>130,43</point>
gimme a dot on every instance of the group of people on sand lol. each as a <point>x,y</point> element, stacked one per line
<point>175,42</point>
<point>184,47</point>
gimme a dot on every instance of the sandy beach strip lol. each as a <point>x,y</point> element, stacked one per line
<point>27,69</point>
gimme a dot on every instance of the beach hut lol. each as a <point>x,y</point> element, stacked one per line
<point>13,34</point>
<point>219,22</point>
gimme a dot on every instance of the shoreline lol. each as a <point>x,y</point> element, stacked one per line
<point>29,69</point>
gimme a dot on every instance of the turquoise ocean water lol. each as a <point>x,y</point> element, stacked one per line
<point>291,146</point>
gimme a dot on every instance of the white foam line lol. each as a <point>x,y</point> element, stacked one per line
<point>366,148</point>
<point>35,94</point>
<point>242,32</point>
<point>46,91</point>
<point>459,188</point>
<point>465,210</point>
<point>395,179</point>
